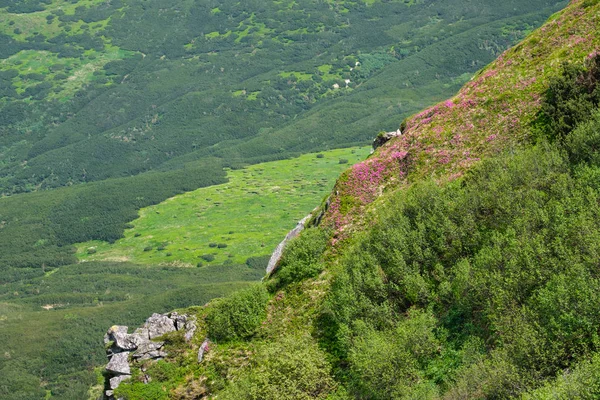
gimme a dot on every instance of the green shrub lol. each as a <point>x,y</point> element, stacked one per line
<point>570,98</point>
<point>237,316</point>
<point>388,364</point>
<point>292,368</point>
<point>208,257</point>
<point>583,144</point>
<point>302,257</point>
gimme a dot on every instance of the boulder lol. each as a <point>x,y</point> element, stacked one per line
<point>119,364</point>
<point>190,329</point>
<point>276,256</point>
<point>120,338</point>
<point>116,381</point>
<point>158,325</point>
<point>149,350</point>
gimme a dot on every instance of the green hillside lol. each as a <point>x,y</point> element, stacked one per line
<point>460,261</point>
<point>92,90</point>
<point>114,110</point>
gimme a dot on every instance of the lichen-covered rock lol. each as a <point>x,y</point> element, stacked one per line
<point>120,338</point>
<point>116,381</point>
<point>140,344</point>
<point>190,329</point>
<point>276,256</point>
<point>119,364</point>
<point>149,350</point>
<point>158,325</point>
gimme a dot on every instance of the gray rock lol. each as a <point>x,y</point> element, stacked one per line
<point>158,325</point>
<point>116,381</point>
<point>120,338</point>
<point>149,350</point>
<point>119,364</point>
<point>190,329</point>
<point>203,349</point>
<point>276,256</point>
<point>385,137</point>
<point>178,320</point>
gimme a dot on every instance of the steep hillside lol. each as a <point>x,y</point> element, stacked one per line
<point>457,262</point>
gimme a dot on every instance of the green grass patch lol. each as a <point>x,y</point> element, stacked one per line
<point>250,214</point>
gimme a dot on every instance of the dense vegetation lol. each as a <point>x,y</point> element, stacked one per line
<point>110,106</point>
<point>92,90</point>
<point>485,285</point>
<point>52,325</point>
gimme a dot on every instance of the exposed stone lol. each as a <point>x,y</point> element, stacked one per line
<point>119,363</point>
<point>276,256</point>
<point>148,350</point>
<point>158,325</point>
<point>385,137</point>
<point>120,338</point>
<point>178,320</point>
<point>140,345</point>
<point>203,349</point>
<point>190,329</point>
<point>116,381</point>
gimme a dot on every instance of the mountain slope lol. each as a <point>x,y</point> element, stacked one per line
<point>458,261</point>
<point>94,90</point>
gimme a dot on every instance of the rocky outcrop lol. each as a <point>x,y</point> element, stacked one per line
<point>122,348</point>
<point>385,137</point>
<point>276,256</point>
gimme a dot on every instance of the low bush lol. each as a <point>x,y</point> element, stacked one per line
<point>237,316</point>
<point>293,368</point>
<point>302,258</point>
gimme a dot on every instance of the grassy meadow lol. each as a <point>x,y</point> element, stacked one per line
<point>228,223</point>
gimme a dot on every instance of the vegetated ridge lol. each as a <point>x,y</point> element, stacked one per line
<point>459,261</point>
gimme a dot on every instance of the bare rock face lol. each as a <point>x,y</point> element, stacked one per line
<point>276,256</point>
<point>203,349</point>
<point>119,364</point>
<point>121,347</point>
<point>158,325</point>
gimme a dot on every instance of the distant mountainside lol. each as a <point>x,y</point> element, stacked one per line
<point>92,90</point>
<point>459,261</point>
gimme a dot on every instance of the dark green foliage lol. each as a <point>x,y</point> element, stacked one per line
<point>507,257</point>
<point>238,316</point>
<point>301,258</point>
<point>208,257</point>
<point>291,368</point>
<point>571,98</point>
<point>583,144</point>
<point>258,263</point>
